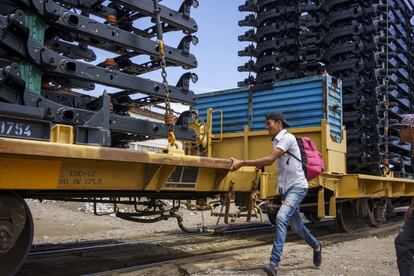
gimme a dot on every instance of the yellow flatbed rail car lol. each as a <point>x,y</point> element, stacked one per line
<point>256,144</point>
<point>334,193</point>
<point>61,170</point>
<point>34,165</point>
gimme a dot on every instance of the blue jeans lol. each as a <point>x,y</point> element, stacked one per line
<point>289,213</point>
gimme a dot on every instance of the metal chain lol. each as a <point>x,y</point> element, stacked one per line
<point>163,63</point>
<point>385,97</point>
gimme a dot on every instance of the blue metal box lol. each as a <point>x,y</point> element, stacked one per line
<point>305,102</point>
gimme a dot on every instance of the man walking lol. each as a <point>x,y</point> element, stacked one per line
<point>404,242</point>
<point>292,186</point>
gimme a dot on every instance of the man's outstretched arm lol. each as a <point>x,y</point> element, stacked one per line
<point>265,161</point>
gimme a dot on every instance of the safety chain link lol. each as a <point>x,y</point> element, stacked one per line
<point>163,64</point>
<point>386,169</point>
<point>168,117</point>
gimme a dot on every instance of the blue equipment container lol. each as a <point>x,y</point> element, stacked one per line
<point>305,102</point>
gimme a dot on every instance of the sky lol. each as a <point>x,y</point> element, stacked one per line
<point>218,44</point>
<point>216,52</point>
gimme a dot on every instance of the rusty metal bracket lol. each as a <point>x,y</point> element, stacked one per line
<point>226,203</point>
<point>252,196</point>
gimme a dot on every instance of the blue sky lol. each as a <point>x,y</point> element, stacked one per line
<point>218,45</point>
<point>216,51</point>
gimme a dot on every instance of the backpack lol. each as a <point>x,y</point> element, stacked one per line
<point>312,162</point>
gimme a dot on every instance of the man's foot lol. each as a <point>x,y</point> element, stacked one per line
<point>270,270</point>
<point>317,256</point>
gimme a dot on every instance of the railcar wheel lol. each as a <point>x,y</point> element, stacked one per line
<point>346,217</point>
<point>271,215</point>
<point>16,233</point>
<point>312,217</point>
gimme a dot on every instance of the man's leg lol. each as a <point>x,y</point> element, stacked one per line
<point>292,200</point>
<point>404,246</point>
<point>303,232</point>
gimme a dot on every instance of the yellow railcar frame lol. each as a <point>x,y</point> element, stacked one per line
<point>60,166</point>
<point>334,182</point>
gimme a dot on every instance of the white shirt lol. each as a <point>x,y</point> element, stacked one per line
<point>290,169</point>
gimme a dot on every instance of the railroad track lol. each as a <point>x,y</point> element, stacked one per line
<point>134,257</point>
<point>228,252</point>
<point>153,239</point>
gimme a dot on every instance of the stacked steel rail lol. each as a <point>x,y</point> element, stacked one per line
<point>47,48</point>
<point>366,43</point>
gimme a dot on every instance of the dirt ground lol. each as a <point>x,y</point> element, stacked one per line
<point>66,222</point>
<point>59,222</point>
<point>371,256</point>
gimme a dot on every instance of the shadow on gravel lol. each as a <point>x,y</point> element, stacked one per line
<point>116,254</point>
<point>81,262</point>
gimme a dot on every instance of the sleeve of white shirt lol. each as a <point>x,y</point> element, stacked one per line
<point>286,142</point>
